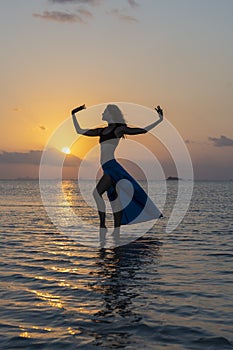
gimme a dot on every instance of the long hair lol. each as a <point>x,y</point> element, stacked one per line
<point>116,114</point>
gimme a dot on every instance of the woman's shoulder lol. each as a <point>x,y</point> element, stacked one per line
<point>120,129</point>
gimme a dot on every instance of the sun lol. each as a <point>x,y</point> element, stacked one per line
<point>66,150</point>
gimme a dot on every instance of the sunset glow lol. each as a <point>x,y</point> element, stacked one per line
<point>66,150</point>
<point>157,52</point>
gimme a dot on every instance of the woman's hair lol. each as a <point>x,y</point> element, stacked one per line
<point>116,114</point>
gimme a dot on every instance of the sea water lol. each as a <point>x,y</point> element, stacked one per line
<point>162,291</point>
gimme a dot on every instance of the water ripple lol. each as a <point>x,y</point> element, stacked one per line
<point>160,292</point>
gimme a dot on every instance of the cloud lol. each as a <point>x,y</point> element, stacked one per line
<point>85,2</point>
<point>59,16</point>
<point>16,109</point>
<point>222,141</point>
<point>55,157</point>
<point>122,17</point>
<point>133,3</point>
<point>77,15</point>
<point>192,142</point>
<point>65,17</point>
<point>42,127</point>
<point>85,13</point>
<point>33,157</point>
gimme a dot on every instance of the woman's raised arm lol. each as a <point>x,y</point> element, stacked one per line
<point>160,113</point>
<point>79,130</point>
<point>137,131</point>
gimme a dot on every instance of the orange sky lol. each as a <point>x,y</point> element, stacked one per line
<point>177,54</point>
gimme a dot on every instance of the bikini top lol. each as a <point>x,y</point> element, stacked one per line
<point>111,134</point>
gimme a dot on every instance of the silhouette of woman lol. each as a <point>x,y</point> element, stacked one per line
<point>139,206</point>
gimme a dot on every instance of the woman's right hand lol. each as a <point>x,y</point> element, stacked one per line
<point>160,112</point>
<point>77,109</point>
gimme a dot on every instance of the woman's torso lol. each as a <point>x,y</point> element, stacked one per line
<point>109,139</point>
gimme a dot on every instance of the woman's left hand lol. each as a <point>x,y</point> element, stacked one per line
<point>159,111</point>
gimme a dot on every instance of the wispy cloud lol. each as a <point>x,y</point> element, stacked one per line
<point>16,109</point>
<point>31,157</point>
<point>42,127</point>
<point>192,142</point>
<point>59,16</point>
<point>119,14</point>
<point>53,157</point>
<point>85,2</point>
<point>133,3</point>
<point>85,13</point>
<point>222,141</point>
<point>80,14</point>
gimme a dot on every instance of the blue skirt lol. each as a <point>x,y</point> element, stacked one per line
<point>135,203</point>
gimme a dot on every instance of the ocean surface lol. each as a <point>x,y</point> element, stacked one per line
<point>162,291</point>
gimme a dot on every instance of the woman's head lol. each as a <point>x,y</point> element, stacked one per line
<point>113,114</point>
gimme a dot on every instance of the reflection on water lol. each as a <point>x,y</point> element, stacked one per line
<point>118,283</point>
<point>81,202</point>
<point>64,289</point>
<point>52,300</point>
<point>159,292</point>
<point>117,271</point>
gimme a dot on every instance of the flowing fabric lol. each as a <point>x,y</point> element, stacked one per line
<point>135,203</point>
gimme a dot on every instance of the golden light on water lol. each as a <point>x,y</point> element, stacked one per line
<point>25,335</point>
<point>52,300</point>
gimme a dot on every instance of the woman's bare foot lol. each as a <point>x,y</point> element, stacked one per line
<point>116,231</point>
<point>102,236</point>
<point>103,229</point>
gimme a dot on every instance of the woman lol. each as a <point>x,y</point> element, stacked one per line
<point>128,206</point>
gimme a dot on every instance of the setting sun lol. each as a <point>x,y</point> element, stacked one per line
<point>66,150</point>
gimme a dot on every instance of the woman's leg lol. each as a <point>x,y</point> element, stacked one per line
<point>103,185</point>
<point>117,212</point>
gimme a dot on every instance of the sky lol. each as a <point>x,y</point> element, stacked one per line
<point>57,54</point>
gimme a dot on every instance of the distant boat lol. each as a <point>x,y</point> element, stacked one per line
<point>172,178</point>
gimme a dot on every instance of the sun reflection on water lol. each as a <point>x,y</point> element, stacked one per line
<point>24,335</point>
<point>34,332</point>
<point>52,300</point>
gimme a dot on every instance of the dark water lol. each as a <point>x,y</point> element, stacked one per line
<point>164,291</point>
